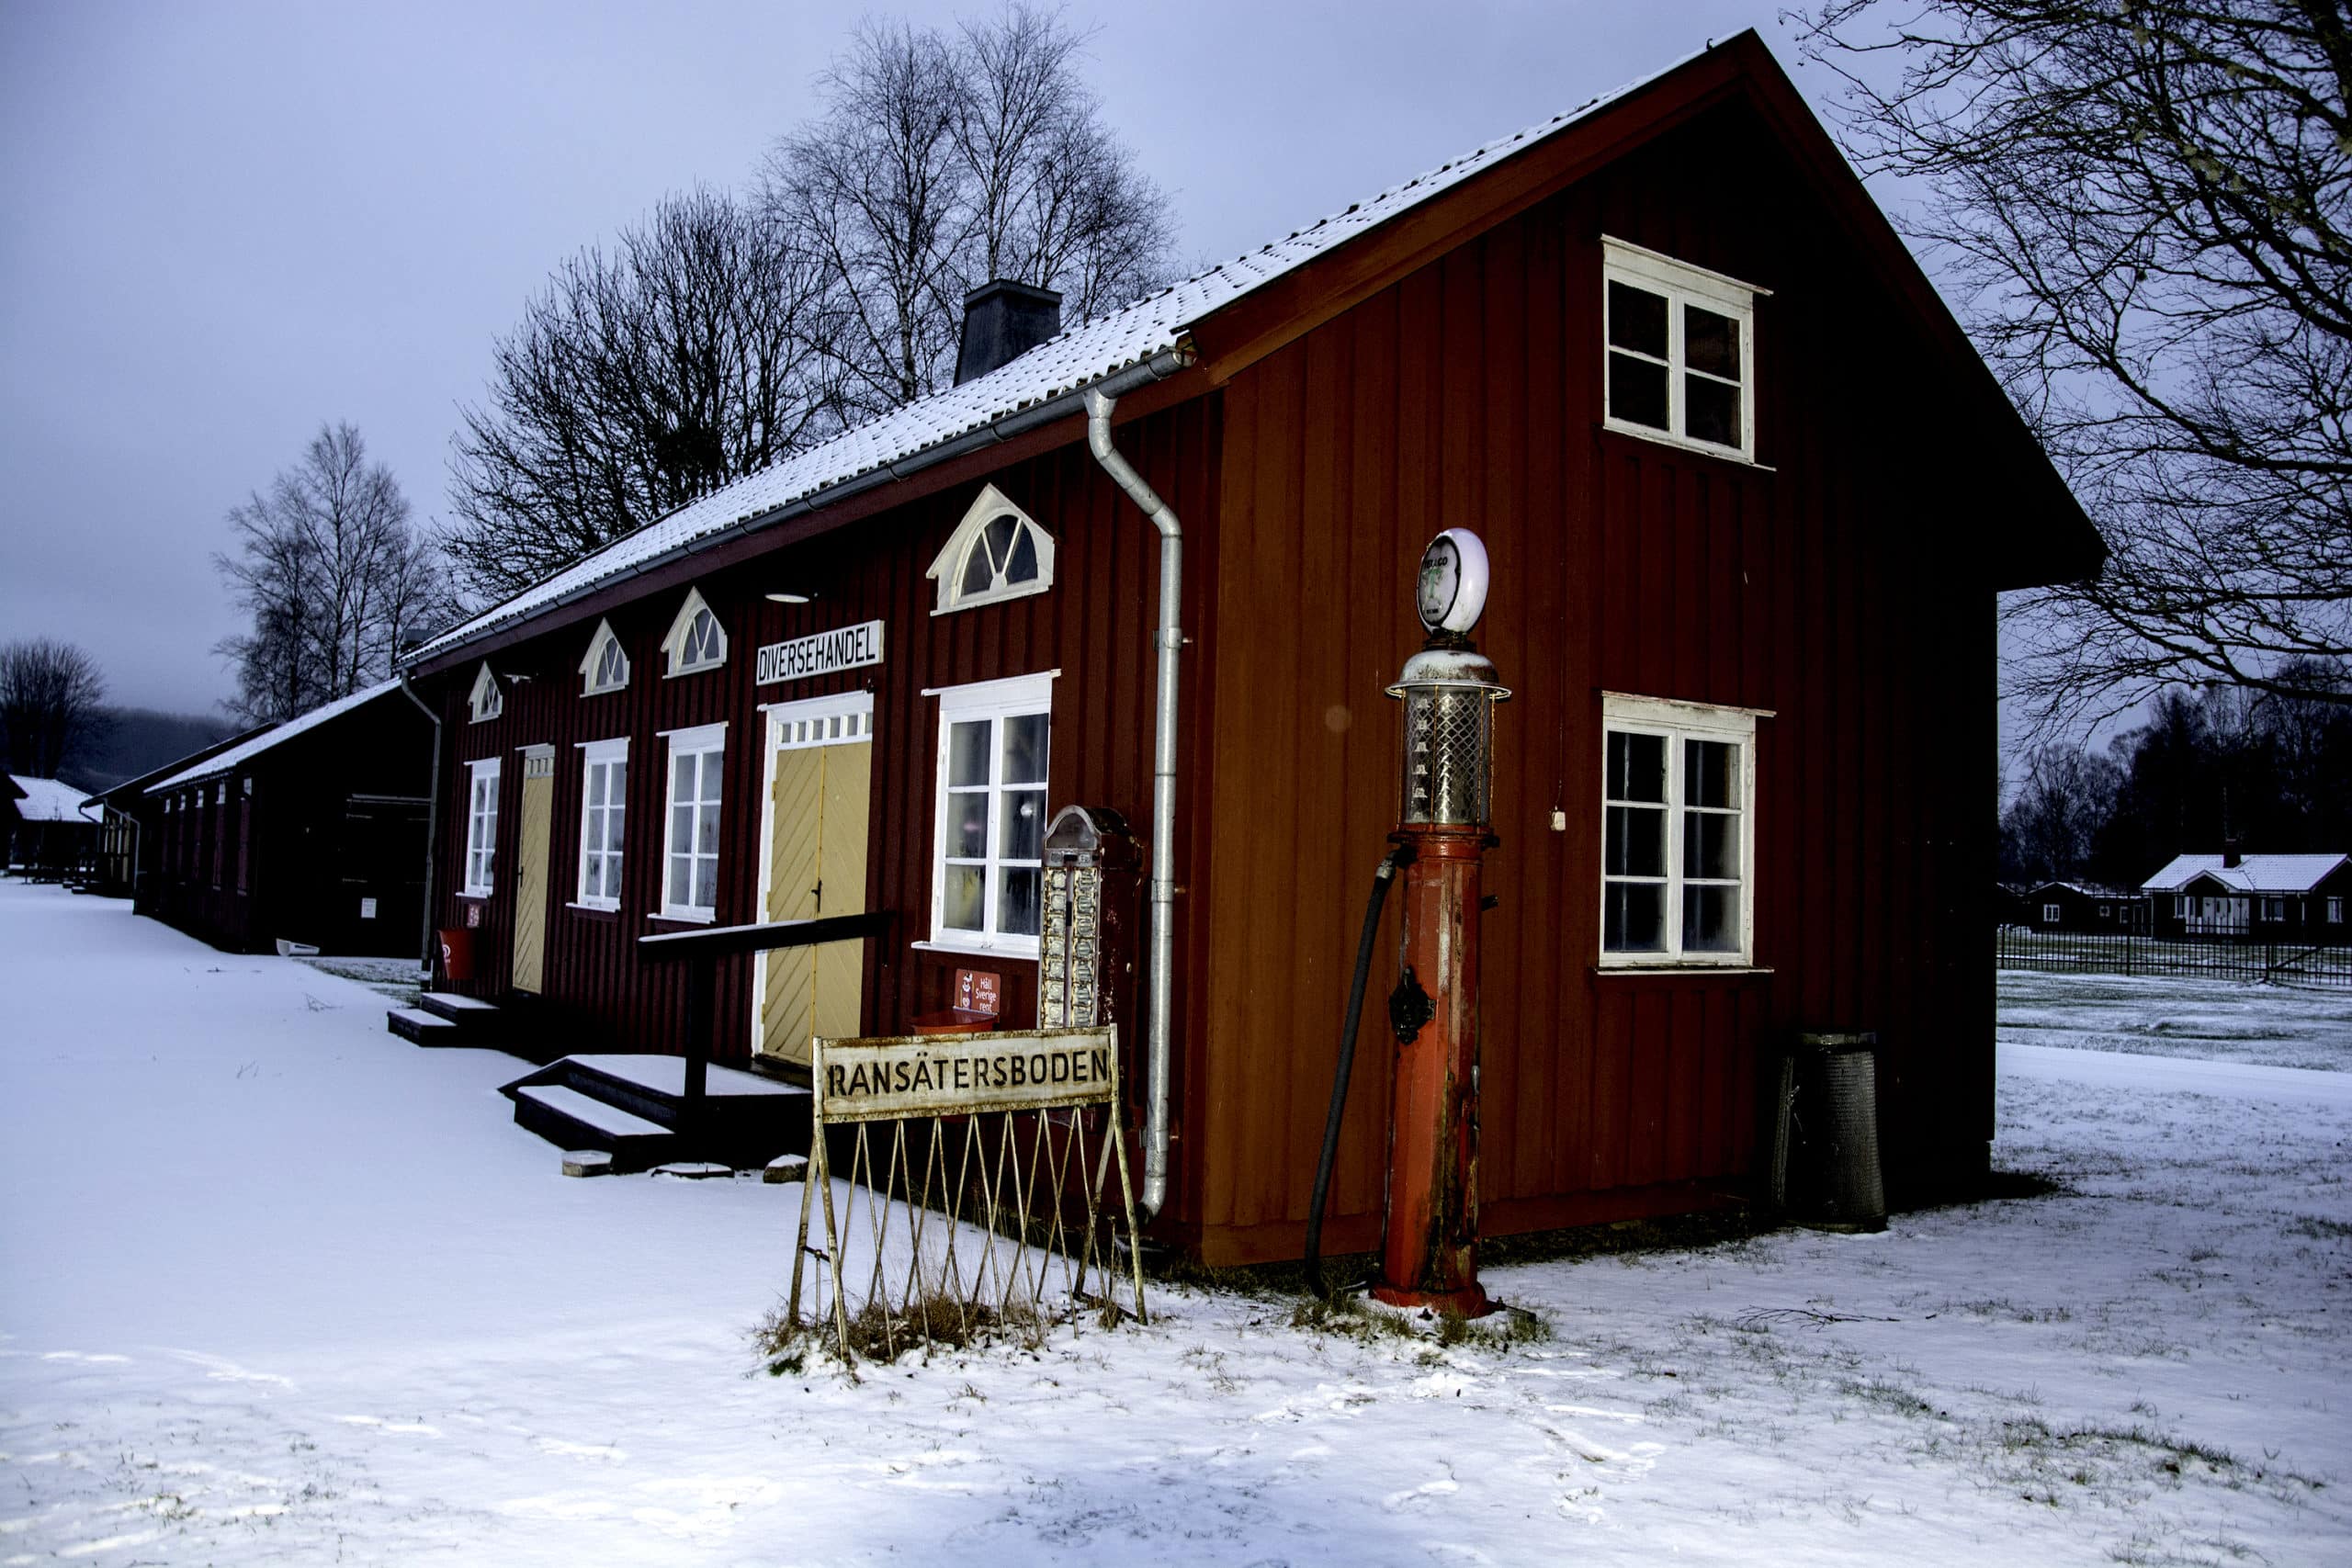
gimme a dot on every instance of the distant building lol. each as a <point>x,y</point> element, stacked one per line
<point>50,833</point>
<point>2299,897</point>
<point>131,835</point>
<point>2083,906</point>
<point>313,832</point>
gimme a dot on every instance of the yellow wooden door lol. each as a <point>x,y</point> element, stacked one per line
<point>531,874</point>
<point>817,866</point>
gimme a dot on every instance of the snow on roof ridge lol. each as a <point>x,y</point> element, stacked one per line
<point>49,800</point>
<point>2287,872</point>
<point>1076,357</point>
<point>237,756</point>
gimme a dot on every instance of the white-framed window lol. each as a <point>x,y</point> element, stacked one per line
<point>2273,909</point>
<point>690,832</point>
<point>481,827</point>
<point>997,552</point>
<point>695,640</point>
<point>2107,912</point>
<point>1679,344</point>
<point>2335,911</point>
<point>2052,914</point>
<point>1677,833</point>
<point>605,667</point>
<point>604,807</point>
<point>986,877</point>
<point>487,701</point>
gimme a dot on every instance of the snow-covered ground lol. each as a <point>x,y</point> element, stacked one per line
<point>2213,1019</point>
<point>275,1286</point>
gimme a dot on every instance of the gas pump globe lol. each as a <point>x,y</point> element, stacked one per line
<point>1428,1253</point>
<point>1450,691</point>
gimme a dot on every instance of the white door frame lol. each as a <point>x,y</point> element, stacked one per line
<point>783,722</point>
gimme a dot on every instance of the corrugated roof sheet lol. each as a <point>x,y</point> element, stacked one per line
<point>238,756</point>
<point>47,800</point>
<point>2253,873</point>
<point>1077,358</point>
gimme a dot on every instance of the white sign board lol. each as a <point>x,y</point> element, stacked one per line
<point>843,648</point>
<point>946,1075</point>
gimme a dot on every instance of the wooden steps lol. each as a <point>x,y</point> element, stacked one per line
<point>444,1018</point>
<point>633,1107</point>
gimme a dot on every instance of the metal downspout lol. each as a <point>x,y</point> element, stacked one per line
<point>432,827</point>
<point>1169,640</point>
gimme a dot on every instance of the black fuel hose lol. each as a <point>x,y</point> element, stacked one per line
<point>1402,855</point>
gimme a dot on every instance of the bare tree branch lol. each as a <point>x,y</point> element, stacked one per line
<point>2150,205</point>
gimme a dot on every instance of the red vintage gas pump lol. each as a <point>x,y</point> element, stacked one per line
<point>1429,1247</point>
<point>1430,1250</point>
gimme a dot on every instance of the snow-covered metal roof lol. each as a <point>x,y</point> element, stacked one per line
<point>1082,356</point>
<point>238,756</point>
<point>47,800</point>
<point>2253,873</point>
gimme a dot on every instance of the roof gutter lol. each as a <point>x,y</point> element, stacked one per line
<point>1169,640</point>
<point>1117,384</point>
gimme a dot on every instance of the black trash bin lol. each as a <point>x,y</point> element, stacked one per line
<point>1825,1138</point>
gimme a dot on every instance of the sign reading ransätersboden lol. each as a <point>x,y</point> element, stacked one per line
<point>843,648</point>
<point>945,1075</point>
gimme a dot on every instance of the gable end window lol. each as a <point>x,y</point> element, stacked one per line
<point>2052,914</point>
<point>604,804</point>
<point>696,640</point>
<point>606,669</point>
<point>1677,833</point>
<point>997,552</point>
<point>481,827</point>
<point>487,701</point>
<point>1679,352</point>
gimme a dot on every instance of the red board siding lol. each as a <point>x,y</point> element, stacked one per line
<point>1822,587</point>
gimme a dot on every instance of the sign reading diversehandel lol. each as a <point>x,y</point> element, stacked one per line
<point>843,648</point>
<point>945,1075</point>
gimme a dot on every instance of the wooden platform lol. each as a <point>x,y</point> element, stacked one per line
<point>633,1107</point>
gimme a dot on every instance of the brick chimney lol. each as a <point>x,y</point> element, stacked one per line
<point>2229,856</point>
<point>1003,320</point>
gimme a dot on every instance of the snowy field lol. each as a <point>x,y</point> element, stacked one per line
<point>2214,1019</point>
<point>276,1287</point>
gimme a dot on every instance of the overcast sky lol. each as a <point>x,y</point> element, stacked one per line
<point>225,224</point>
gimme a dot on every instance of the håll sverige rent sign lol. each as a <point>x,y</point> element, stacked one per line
<point>843,648</point>
<point>942,1075</point>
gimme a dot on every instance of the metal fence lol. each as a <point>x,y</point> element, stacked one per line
<point>2254,961</point>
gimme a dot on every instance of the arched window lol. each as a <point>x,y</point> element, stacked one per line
<point>696,640</point>
<point>997,552</point>
<point>489,702</point>
<point>606,669</point>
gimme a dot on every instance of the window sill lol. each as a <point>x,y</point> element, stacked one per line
<point>975,950</point>
<point>1684,444</point>
<point>607,911</point>
<point>685,916</point>
<point>1683,971</point>
<point>478,895</point>
<point>684,669</point>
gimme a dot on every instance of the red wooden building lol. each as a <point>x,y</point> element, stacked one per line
<point>1748,493</point>
<point>312,831</point>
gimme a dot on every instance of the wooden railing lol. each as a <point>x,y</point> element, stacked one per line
<point>701,952</point>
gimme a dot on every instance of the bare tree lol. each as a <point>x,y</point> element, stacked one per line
<point>942,162</point>
<point>2151,202</point>
<point>2051,831</point>
<point>334,578</point>
<point>51,699</point>
<point>634,383</point>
